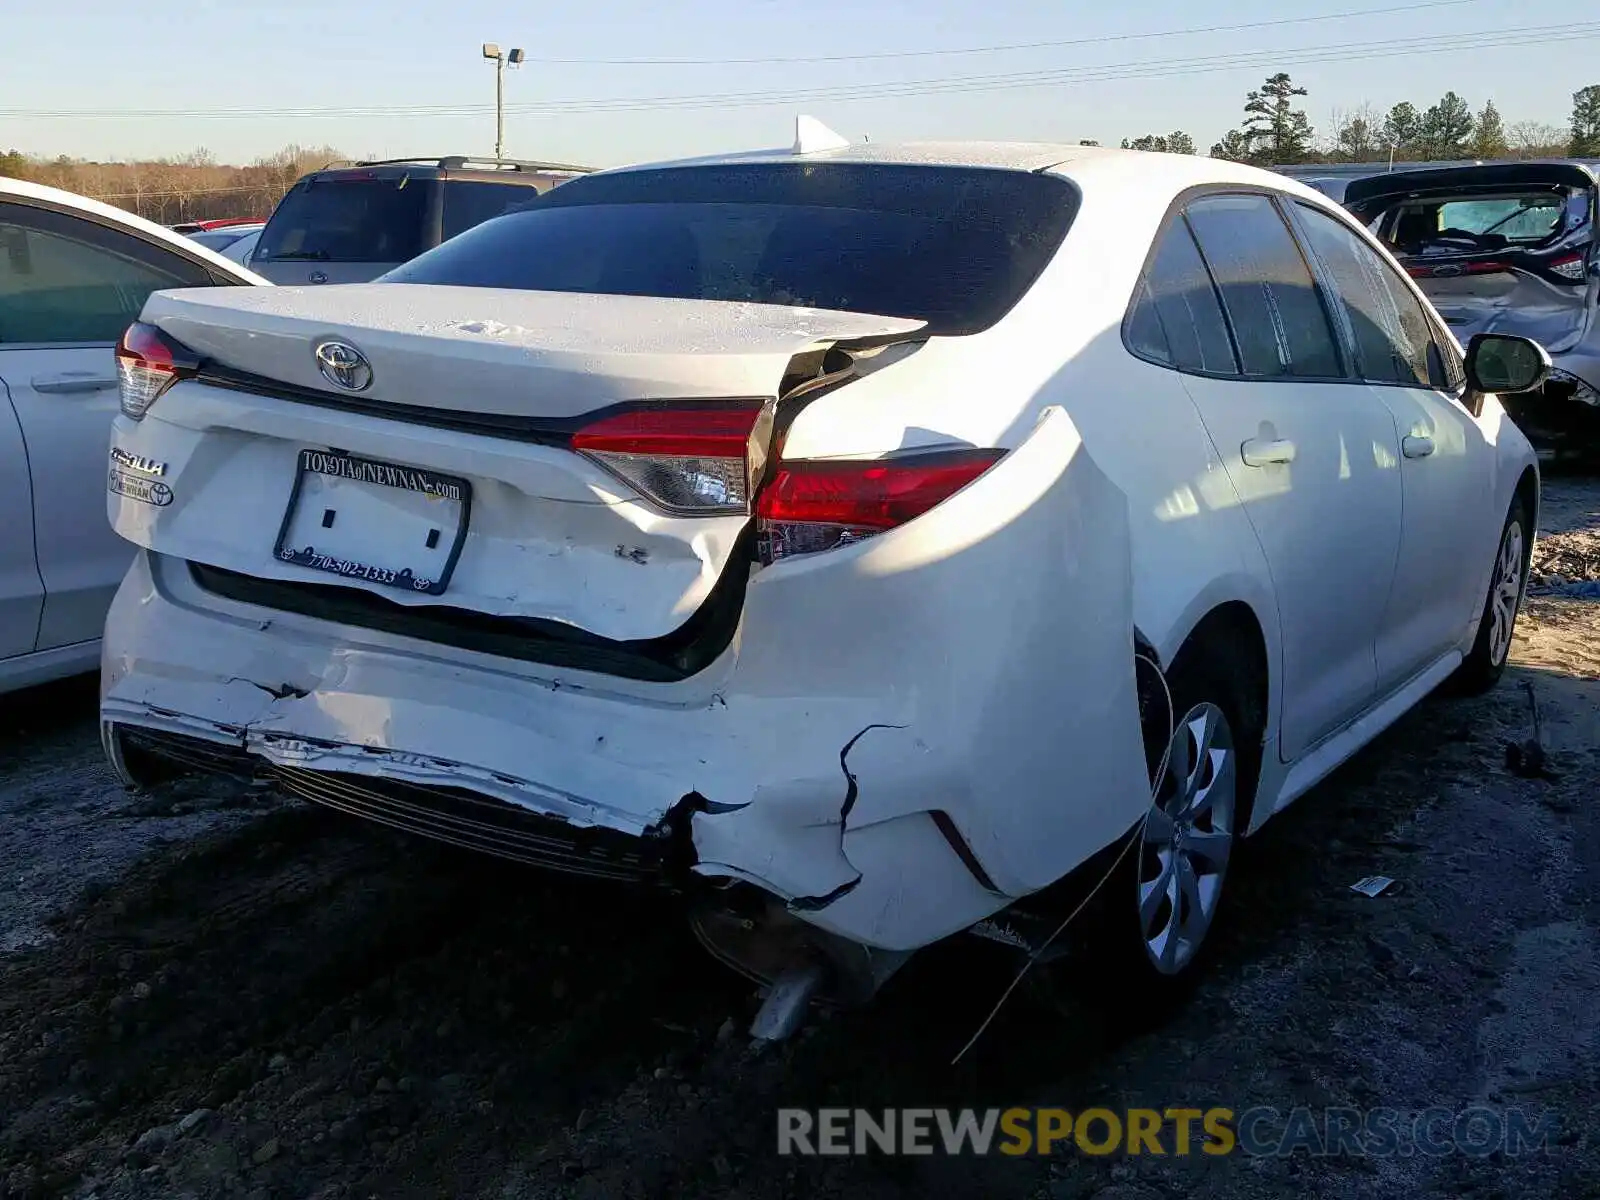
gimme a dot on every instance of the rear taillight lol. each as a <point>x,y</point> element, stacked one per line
<point>1568,266</point>
<point>690,461</point>
<point>148,363</point>
<point>824,503</point>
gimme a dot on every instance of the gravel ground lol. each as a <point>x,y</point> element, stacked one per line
<point>206,991</point>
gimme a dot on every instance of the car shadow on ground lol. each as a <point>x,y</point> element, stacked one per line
<point>39,715</point>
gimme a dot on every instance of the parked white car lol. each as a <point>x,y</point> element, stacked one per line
<point>242,250</point>
<point>74,274</point>
<point>795,523</point>
<point>233,242</point>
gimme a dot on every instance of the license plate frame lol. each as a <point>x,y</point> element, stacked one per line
<point>372,472</point>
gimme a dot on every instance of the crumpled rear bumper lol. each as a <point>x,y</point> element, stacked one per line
<point>905,736</point>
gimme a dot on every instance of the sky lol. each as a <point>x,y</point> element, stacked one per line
<point>104,80</point>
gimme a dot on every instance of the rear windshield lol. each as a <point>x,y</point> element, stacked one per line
<point>955,247</point>
<point>1468,224</point>
<point>342,218</point>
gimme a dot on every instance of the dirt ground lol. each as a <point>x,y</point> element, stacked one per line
<point>207,991</point>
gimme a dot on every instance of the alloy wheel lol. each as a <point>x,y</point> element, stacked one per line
<point>1187,839</point>
<point>1505,593</point>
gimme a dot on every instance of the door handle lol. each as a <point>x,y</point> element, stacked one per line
<point>70,382</point>
<point>1416,445</point>
<point>1264,452</point>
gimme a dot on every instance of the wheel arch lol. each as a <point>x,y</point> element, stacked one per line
<point>1527,490</point>
<point>1231,640</point>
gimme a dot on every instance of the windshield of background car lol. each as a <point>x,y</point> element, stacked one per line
<point>956,247</point>
<point>1470,224</point>
<point>347,218</point>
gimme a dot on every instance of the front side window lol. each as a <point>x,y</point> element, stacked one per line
<point>1277,316</point>
<point>65,280</point>
<point>955,247</point>
<point>1391,331</point>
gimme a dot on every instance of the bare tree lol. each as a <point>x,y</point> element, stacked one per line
<point>1536,139</point>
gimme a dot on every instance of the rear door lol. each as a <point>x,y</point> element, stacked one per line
<point>348,226</point>
<point>69,286</point>
<point>1446,465</point>
<point>21,592</point>
<point>1311,452</point>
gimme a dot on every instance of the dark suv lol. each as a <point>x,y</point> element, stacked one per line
<point>351,222</point>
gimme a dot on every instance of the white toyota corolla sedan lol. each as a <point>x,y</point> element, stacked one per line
<point>848,536</point>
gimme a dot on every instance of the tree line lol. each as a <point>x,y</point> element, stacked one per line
<point>194,187</point>
<point>1276,131</point>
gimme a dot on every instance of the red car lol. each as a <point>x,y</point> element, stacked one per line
<point>219,223</point>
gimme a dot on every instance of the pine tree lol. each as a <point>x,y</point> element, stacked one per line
<point>1489,134</point>
<point>1585,122</point>
<point>1402,130</point>
<point>1277,132</point>
<point>1234,146</point>
<point>1446,127</point>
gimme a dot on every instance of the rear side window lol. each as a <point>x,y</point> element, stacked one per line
<point>955,247</point>
<point>469,202</point>
<point>1278,319</point>
<point>1176,318</point>
<point>348,218</point>
<point>66,280</point>
<point>1391,332</point>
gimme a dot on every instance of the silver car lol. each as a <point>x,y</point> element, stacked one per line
<point>1506,248</point>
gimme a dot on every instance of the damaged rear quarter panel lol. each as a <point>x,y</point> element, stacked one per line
<point>996,632</point>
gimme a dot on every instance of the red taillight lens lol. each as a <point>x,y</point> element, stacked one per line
<point>821,504</point>
<point>690,461</point>
<point>1450,270</point>
<point>148,363</point>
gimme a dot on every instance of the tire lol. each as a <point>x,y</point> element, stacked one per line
<point>1508,578</point>
<point>1131,971</point>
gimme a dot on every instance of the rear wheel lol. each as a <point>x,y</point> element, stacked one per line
<point>1186,841</point>
<point>1486,662</point>
<point>1147,931</point>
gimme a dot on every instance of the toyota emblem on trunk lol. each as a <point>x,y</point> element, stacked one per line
<point>344,366</point>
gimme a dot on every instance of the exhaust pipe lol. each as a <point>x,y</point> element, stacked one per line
<point>797,964</point>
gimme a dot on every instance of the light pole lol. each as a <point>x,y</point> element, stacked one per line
<point>491,51</point>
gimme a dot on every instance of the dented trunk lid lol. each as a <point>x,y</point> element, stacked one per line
<point>549,355</point>
<point>458,444</point>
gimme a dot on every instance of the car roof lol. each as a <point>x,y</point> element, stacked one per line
<point>1102,165</point>
<point>106,213</point>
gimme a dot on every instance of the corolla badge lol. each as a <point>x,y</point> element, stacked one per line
<point>344,366</point>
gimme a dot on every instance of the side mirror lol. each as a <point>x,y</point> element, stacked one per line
<point>1503,363</point>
